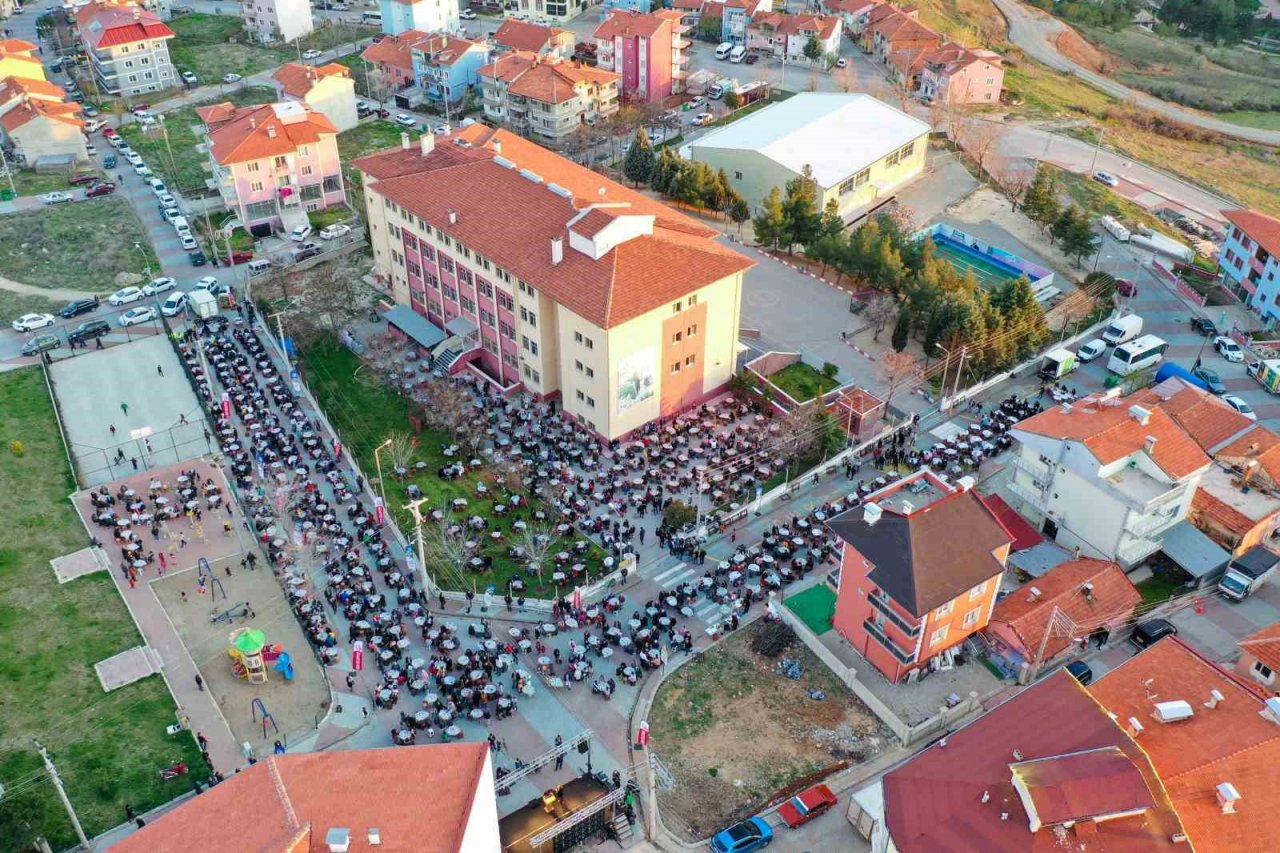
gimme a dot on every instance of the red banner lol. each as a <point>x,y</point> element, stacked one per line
<point>379,512</point>
<point>226,406</point>
<point>642,736</point>
<point>357,655</point>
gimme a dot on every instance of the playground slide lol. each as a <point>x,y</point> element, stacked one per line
<point>284,666</point>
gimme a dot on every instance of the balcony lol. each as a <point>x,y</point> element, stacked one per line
<point>877,633</point>
<point>880,602</point>
<point>680,43</point>
<point>1135,550</point>
<point>1145,526</point>
<point>1037,469</point>
<point>679,59</point>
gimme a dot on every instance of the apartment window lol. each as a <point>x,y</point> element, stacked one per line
<point>528,289</point>
<point>577,365</point>
<point>977,591</point>
<point>688,362</point>
<point>256,186</point>
<point>485,288</point>
<point>253,167</point>
<point>428,252</point>
<point>414,269</point>
<point>128,63</point>
<point>693,300</point>
<point>304,150</point>
<point>971,618</point>
<point>281,162</point>
<point>468,305</point>
<point>580,395</point>
<point>524,313</point>
<point>590,373</point>
<point>675,308</point>
<point>940,636</point>
<point>450,292</point>
<point>486,318</point>
<point>1262,671</point>
<point>507,331</point>
<point>532,375</point>
<point>591,403</point>
<point>862,177</point>
<point>677,337</point>
<point>577,337</point>
<point>306,170</point>
<point>945,610</point>
<point>675,368</point>
<point>433,281</point>
<point>737,176</point>
<point>446,264</point>
<point>509,360</point>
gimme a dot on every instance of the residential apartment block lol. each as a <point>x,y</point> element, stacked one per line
<point>18,58</point>
<point>128,47</point>
<point>1250,260</point>
<point>785,37</point>
<point>427,16</point>
<point>516,35</point>
<point>646,50</point>
<point>1106,475</point>
<point>900,42</point>
<point>546,98</point>
<point>920,567</point>
<point>273,163</point>
<point>532,271</point>
<point>38,124</point>
<point>391,61</point>
<point>854,13</point>
<point>734,16</point>
<point>327,89</point>
<point>954,74</point>
<point>445,66</point>
<point>559,11</point>
<point>277,20</point>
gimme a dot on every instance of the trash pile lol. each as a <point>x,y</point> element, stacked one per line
<point>790,668</point>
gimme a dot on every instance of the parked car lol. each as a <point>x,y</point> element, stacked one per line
<point>82,178</point>
<point>305,253</point>
<point>31,322</point>
<point>1106,179</point>
<point>241,257</point>
<point>806,806</point>
<point>175,304</point>
<point>231,78</point>
<point>1125,287</point>
<point>703,119</point>
<point>142,170</point>
<point>159,285</point>
<point>89,330</point>
<point>100,189</point>
<point>337,229</point>
<point>134,316</point>
<point>1152,630</point>
<point>467,15</point>
<point>1240,406</point>
<point>842,62</point>
<point>405,120</point>
<point>1204,326</point>
<point>158,187</point>
<point>1228,349</point>
<point>209,283</point>
<point>79,306</point>
<point>311,54</point>
<point>56,197</point>
<point>1210,378</point>
<point>1090,350</point>
<point>166,200</point>
<point>125,295</point>
<point>300,233</point>
<point>749,835</point>
<point>109,162</point>
<point>1081,672</point>
<point>189,242</point>
<point>141,109</point>
<point>190,78</point>
<point>133,157</point>
<point>197,258</point>
<point>41,343</point>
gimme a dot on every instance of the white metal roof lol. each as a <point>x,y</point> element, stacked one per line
<point>837,134</point>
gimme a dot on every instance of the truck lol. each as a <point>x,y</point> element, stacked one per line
<point>1116,229</point>
<point>1058,363</point>
<point>1268,374</point>
<point>1163,245</point>
<point>203,304</point>
<point>1168,369</point>
<point>1123,329</point>
<point>1247,572</point>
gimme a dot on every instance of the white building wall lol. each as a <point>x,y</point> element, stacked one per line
<point>481,834</point>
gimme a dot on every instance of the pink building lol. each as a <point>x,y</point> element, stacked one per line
<point>958,75</point>
<point>646,50</point>
<point>274,162</point>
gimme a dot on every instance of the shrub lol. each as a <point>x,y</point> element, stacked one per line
<point>17,447</point>
<point>771,639</point>
<point>678,514</point>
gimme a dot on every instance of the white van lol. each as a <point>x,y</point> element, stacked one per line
<point>1123,329</point>
<point>260,266</point>
<point>723,51</point>
<point>181,226</point>
<point>738,54</point>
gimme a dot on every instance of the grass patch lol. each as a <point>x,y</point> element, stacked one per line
<point>369,137</point>
<point>1251,118</point>
<point>321,218</point>
<point>109,747</point>
<point>49,247</point>
<point>1103,201</point>
<point>27,182</point>
<point>814,607</point>
<point>14,305</point>
<point>365,413</point>
<point>215,45</point>
<point>802,382</point>
<point>1157,589</point>
<point>178,161</point>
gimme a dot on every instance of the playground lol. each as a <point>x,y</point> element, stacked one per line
<point>989,264</point>
<point>243,603</point>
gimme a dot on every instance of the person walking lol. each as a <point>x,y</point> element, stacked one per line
<point>112,427</point>
<point>560,757</point>
<point>202,741</point>
<point>124,407</point>
<point>200,682</point>
<point>160,369</point>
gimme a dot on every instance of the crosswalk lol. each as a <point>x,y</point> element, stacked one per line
<point>706,610</point>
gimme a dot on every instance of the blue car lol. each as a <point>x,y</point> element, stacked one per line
<point>751,834</point>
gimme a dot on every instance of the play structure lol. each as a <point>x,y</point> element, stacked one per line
<point>207,581</point>
<point>250,653</point>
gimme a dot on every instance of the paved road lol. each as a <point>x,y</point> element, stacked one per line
<point>1034,32</point>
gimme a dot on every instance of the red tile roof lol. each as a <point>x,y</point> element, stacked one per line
<point>935,802</point>
<point>551,81</point>
<point>1258,444</point>
<point>267,130</point>
<point>1202,415</point>
<point>1205,504</point>
<point>1083,785</point>
<point>394,51</point>
<point>31,110</point>
<point>1111,600</point>
<point>1024,534</point>
<point>418,797</point>
<point>445,49</point>
<point>1261,227</point>
<point>19,87</point>
<point>297,79</point>
<point>1232,743</point>
<point>108,24</point>
<point>1111,433</point>
<point>790,25</point>
<point>624,24</point>
<point>16,46</point>
<point>522,35</point>
<point>1264,645</point>
<point>511,219</point>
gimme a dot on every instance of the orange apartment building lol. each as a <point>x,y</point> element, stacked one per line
<point>919,571</point>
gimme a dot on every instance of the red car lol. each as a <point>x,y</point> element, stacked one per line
<point>241,257</point>
<point>1126,287</point>
<point>806,805</point>
<point>104,188</point>
<point>84,178</point>
<point>108,132</point>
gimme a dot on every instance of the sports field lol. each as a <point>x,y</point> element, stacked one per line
<point>990,275</point>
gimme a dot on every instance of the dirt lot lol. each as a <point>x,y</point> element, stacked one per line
<point>733,732</point>
<point>297,704</point>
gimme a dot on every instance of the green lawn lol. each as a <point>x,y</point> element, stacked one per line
<point>802,382</point>
<point>27,182</point>
<point>814,607</point>
<point>320,218</point>
<point>1157,589</point>
<point>214,45</point>
<point>81,245</point>
<point>365,414</point>
<point>178,161</point>
<point>1250,118</point>
<point>1103,201</point>
<point>109,747</point>
<point>370,137</point>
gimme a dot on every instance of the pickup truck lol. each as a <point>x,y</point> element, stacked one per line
<point>1247,572</point>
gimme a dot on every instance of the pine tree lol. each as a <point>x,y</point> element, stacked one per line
<point>832,221</point>
<point>1075,235</point>
<point>800,211</point>
<point>1040,201</point>
<point>664,171</point>
<point>812,48</point>
<point>901,331</point>
<point>771,223</point>
<point>640,160</point>
<point>738,209</point>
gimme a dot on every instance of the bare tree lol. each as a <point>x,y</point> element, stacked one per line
<point>449,543</point>
<point>978,138</point>
<point>447,407</point>
<point>381,355</point>
<point>881,311</point>
<point>535,542</point>
<point>399,452</point>
<point>379,83</point>
<point>800,433</point>
<point>897,370</point>
<point>328,297</point>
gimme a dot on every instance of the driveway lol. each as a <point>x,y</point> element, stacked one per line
<point>1034,32</point>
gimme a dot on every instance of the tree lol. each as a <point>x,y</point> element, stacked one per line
<point>901,331</point>
<point>399,452</point>
<point>664,171</point>
<point>897,370</point>
<point>640,161</point>
<point>1073,229</point>
<point>678,514</point>
<point>326,298</point>
<point>832,221</point>
<point>732,100</point>
<point>535,542</point>
<point>738,209</point>
<point>1040,200</point>
<point>710,29</point>
<point>978,137</point>
<point>813,49</point>
<point>771,223</point>
<point>803,222</point>
<point>880,311</point>
<point>449,544</point>
<point>447,407</point>
<point>1013,175</point>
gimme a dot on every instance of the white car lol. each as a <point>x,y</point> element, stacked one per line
<point>467,15</point>
<point>1106,179</point>
<point>311,54</point>
<point>1090,350</point>
<point>1240,406</point>
<point>159,285</point>
<point>167,200</point>
<point>134,316</point>
<point>209,283</point>
<point>31,322</point>
<point>174,304</point>
<point>405,120</point>
<point>125,295</point>
<point>189,243</point>
<point>143,170</point>
<point>55,197</point>
<point>842,62</point>
<point>133,157</point>
<point>696,102</point>
<point>190,77</point>
<point>300,233</point>
<point>337,229</point>
<point>231,78</point>
<point>1228,349</point>
<point>703,119</point>
<point>440,129</point>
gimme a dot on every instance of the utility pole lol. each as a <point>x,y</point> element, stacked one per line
<point>62,795</point>
<point>964,354</point>
<point>1102,131</point>
<point>8,172</point>
<point>415,509</point>
<point>284,352</point>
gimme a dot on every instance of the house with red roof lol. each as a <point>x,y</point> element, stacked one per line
<point>955,74</point>
<point>786,37</point>
<point>18,59</point>
<point>546,98</point>
<point>517,35</point>
<point>1107,475</point>
<point>529,270</point>
<point>271,21</point>
<point>854,13</point>
<point>406,799</point>
<point>328,89</point>
<point>35,129</point>
<point>128,47</point>
<point>391,60</point>
<point>920,566</point>
<point>273,163</point>
<point>1250,258</point>
<point>1260,658</point>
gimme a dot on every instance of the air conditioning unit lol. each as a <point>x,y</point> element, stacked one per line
<point>1173,711</point>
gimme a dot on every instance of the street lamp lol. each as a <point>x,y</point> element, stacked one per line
<point>377,461</point>
<point>146,261</point>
